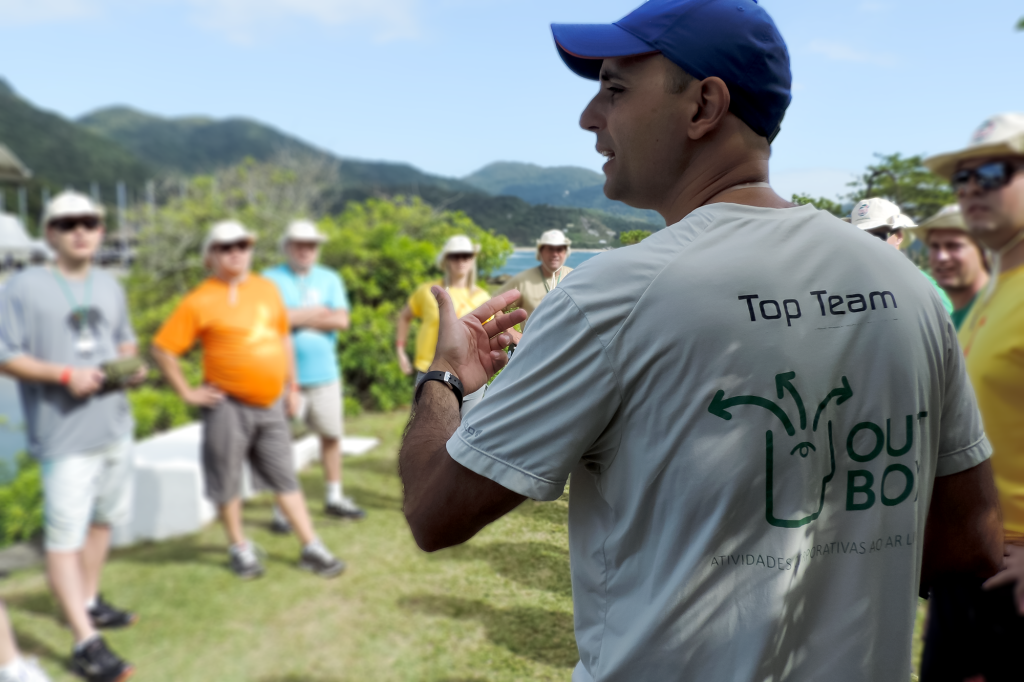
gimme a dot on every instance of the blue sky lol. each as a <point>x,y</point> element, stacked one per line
<point>451,85</point>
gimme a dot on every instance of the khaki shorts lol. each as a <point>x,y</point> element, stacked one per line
<point>235,431</point>
<point>321,409</point>
<point>86,488</point>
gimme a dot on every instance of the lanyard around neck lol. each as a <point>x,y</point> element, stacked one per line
<point>78,310</point>
<point>553,282</point>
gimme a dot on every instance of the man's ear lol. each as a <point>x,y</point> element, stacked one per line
<point>712,99</point>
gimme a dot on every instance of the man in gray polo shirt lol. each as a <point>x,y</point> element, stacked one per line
<point>58,325</point>
<point>752,462</point>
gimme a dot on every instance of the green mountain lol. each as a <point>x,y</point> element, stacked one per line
<point>558,186</point>
<point>59,152</point>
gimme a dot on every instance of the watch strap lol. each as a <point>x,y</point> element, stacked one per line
<point>446,378</point>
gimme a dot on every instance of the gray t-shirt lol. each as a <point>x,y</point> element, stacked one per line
<point>753,404</point>
<point>38,319</point>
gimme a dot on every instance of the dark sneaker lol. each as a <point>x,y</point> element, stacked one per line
<point>316,559</point>
<point>103,615</point>
<point>245,563</point>
<point>346,509</point>
<point>280,526</point>
<point>96,663</point>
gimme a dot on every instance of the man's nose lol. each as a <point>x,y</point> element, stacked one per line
<point>590,119</point>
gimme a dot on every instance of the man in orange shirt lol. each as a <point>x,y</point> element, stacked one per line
<point>242,325</point>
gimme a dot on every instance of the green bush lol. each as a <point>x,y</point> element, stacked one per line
<point>21,504</point>
<point>157,410</point>
<point>633,237</point>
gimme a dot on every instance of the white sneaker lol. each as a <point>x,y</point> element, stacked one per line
<point>344,509</point>
<point>24,670</point>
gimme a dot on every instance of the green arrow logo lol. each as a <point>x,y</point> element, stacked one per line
<point>720,405</point>
<point>784,381</point>
<point>840,394</point>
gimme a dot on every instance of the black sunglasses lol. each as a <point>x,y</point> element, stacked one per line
<point>989,176</point>
<point>460,256</point>
<point>69,224</point>
<point>882,234</point>
<point>233,246</point>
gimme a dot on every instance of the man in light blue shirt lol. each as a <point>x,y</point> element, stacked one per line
<point>317,310</point>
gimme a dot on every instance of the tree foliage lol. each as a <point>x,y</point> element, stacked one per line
<point>820,203</point>
<point>905,182</point>
<point>633,237</point>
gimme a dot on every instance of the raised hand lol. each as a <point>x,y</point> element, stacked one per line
<point>471,347</point>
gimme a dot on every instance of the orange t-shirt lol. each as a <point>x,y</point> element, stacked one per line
<point>243,349</point>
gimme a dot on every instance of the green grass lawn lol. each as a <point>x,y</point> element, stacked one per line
<point>497,608</point>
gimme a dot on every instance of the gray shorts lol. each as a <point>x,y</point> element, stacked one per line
<point>233,432</point>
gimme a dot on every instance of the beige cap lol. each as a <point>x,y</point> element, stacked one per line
<point>554,238</point>
<point>302,231</point>
<point>226,232</point>
<point>875,212</point>
<point>460,243</point>
<point>1000,135</point>
<point>948,218</point>
<point>71,203</point>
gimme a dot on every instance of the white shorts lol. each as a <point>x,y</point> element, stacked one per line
<point>83,489</point>
<point>321,409</point>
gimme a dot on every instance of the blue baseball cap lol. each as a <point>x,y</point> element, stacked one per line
<point>734,40</point>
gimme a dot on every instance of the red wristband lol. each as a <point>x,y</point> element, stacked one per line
<point>65,376</point>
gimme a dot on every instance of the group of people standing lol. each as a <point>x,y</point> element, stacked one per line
<point>269,355</point>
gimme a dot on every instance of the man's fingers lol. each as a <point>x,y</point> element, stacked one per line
<point>445,307</point>
<point>498,360</point>
<point>495,305</point>
<point>504,322</point>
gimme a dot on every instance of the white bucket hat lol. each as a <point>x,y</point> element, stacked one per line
<point>226,232</point>
<point>554,238</point>
<point>70,203</point>
<point>302,231</point>
<point>1000,135</point>
<point>460,243</point>
<point>876,212</point>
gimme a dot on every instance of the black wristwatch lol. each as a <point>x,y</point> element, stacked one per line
<point>446,378</point>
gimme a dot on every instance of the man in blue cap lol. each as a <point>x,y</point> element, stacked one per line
<point>752,465</point>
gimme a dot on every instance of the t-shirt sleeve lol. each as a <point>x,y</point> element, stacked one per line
<point>550,409</point>
<point>962,440</point>
<point>339,295</point>
<point>13,341</point>
<point>180,330</point>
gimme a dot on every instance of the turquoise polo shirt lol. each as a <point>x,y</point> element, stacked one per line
<point>315,351</point>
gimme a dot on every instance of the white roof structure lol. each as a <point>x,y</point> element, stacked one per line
<point>11,167</point>
<point>16,243</point>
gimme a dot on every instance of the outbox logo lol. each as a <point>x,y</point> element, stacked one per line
<point>792,501</point>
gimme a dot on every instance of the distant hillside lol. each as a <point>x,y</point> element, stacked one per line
<point>558,186</point>
<point>61,153</point>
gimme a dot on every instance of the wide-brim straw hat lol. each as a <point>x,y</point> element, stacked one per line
<point>226,232</point>
<point>554,238</point>
<point>460,243</point>
<point>1000,135</point>
<point>947,218</point>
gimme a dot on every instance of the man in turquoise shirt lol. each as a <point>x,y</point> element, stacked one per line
<point>317,310</point>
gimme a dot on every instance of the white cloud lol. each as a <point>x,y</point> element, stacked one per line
<point>13,12</point>
<point>244,20</point>
<point>841,52</point>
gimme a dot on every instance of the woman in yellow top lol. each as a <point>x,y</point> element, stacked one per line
<point>457,261</point>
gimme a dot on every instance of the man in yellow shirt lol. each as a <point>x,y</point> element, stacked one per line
<point>553,249</point>
<point>457,261</point>
<point>975,630</point>
<point>240,320</point>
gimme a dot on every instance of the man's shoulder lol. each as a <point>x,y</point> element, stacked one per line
<point>325,274</point>
<point>26,280</point>
<point>279,272</point>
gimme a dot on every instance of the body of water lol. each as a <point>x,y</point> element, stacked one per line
<point>523,260</point>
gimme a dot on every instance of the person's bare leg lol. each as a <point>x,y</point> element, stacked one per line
<point>293,505</point>
<point>8,648</point>
<point>94,556</point>
<point>67,580</point>
<point>330,456</point>
<point>231,515</point>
